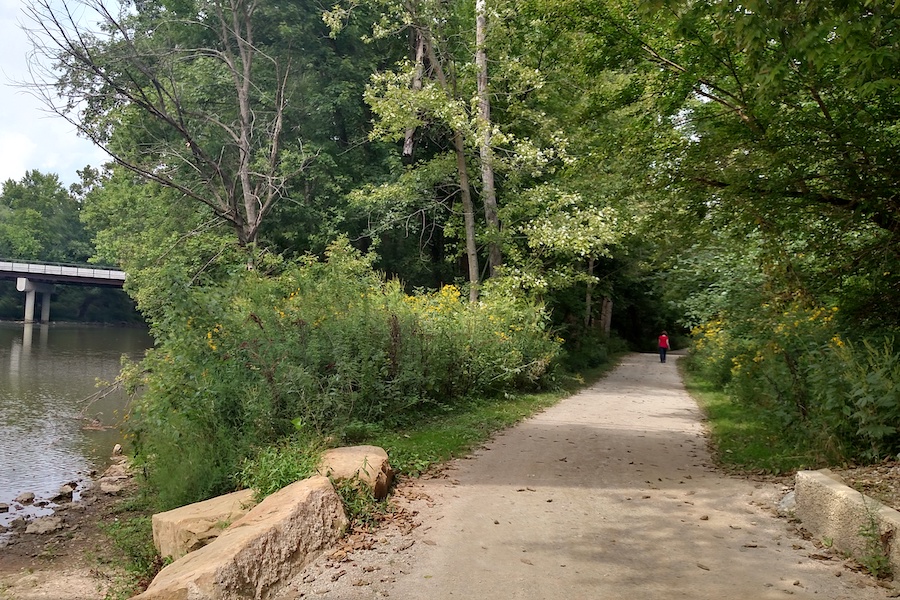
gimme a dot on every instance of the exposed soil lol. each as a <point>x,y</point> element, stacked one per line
<point>77,562</point>
<point>425,545</point>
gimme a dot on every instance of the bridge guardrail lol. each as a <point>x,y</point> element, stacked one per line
<point>62,270</point>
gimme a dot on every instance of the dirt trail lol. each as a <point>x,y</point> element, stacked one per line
<point>610,494</point>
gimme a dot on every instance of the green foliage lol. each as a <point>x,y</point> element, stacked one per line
<point>749,436</point>
<point>39,220</point>
<point>796,363</point>
<point>858,386</point>
<point>362,508</point>
<point>326,344</point>
<point>273,467</point>
<point>875,554</point>
<point>133,538</point>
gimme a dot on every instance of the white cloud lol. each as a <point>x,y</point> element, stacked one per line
<point>15,149</point>
<point>30,137</point>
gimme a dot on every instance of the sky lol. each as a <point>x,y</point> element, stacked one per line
<point>30,137</point>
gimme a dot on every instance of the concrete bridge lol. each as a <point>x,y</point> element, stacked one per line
<point>34,278</point>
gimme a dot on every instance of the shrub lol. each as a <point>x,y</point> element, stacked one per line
<point>273,467</point>
<point>843,397</point>
<point>328,344</point>
<point>859,390</point>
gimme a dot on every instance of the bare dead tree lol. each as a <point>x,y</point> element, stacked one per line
<point>223,151</point>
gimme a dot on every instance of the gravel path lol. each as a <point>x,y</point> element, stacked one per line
<point>610,494</point>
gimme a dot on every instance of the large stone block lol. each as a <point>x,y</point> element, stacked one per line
<point>836,513</point>
<point>367,463</point>
<point>189,528</point>
<point>259,554</point>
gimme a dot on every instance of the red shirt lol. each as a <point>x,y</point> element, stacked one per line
<point>663,341</point>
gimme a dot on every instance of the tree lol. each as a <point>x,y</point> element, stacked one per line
<point>440,100</point>
<point>39,220</point>
<point>166,248</point>
<point>485,126</point>
<point>180,93</point>
<point>773,121</point>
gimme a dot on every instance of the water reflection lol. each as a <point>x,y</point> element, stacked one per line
<point>44,409</point>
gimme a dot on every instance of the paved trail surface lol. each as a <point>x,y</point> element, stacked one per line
<point>608,495</point>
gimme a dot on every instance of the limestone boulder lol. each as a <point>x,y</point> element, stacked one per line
<point>258,555</point>
<point>368,464</point>
<point>65,493</point>
<point>111,489</point>
<point>182,530</point>
<point>45,525</point>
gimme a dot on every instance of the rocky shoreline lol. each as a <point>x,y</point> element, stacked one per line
<point>36,516</point>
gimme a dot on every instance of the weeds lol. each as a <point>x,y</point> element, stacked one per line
<point>831,388</point>
<point>332,344</point>
<point>748,436</point>
<point>362,508</point>
<point>874,556</point>
<point>133,537</point>
<point>274,467</point>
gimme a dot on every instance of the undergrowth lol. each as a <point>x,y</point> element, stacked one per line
<point>747,436</point>
<point>874,556</point>
<point>362,508</point>
<point>131,533</point>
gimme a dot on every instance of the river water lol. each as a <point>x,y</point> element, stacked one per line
<point>51,431</point>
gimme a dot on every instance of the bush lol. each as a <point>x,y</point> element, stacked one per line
<point>328,344</point>
<point>858,388</point>
<point>842,397</point>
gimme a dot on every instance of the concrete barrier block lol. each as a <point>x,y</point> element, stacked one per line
<point>835,513</point>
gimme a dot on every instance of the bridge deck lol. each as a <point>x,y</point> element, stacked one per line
<point>50,273</point>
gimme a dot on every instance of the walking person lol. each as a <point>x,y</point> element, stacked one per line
<point>663,346</point>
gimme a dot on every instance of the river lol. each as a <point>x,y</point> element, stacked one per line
<point>51,432</point>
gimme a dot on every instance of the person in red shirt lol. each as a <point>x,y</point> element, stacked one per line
<point>663,346</point>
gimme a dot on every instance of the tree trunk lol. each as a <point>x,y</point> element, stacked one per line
<point>465,189</point>
<point>468,215</point>
<point>408,142</point>
<point>488,191</point>
<point>606,309</point>
<point>587,296</point>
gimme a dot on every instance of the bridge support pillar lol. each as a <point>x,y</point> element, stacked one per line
<point>31,289</point>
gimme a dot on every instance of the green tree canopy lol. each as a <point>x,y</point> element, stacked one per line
<point>39,220</point>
